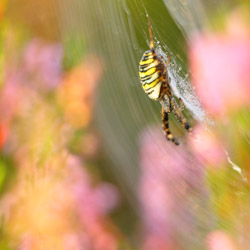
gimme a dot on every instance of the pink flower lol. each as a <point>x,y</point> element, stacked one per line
<point>219,240</point>
<point>43,63</point>
<point>169,175</point>
<point>220,64</point>
<point>61,208</point>
<point>92,204</point>
<point>11,94</point>
<point>206,147</point>
<point>39,66</point>
<point>96,200</point>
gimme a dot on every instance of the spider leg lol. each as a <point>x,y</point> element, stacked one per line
<point>151,40</point>
<point>167,63</point>
<point>178,114</point>
<point>151,44</point>
<point>165,103</point>
<point>182,106</point>
<point>165,79</point>
<point>165,126</point>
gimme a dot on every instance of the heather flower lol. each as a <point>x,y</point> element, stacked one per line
<point>99,200</point>
<point>43,63</point>
<point>219,240</point>
<point>11,94</point>
<point>54,202</point>
<point>220,65</point>
<point>170,175</point>
<point>67,196</point>
<point>39,66</point>
<point>207,147</point>
<point>60,209</point>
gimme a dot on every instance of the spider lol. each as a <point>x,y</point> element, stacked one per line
<point>156,84</point>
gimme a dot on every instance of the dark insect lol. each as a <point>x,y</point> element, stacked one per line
<point>156,84</point>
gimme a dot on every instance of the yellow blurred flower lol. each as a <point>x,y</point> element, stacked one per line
<point>60,210</point>
<point>40,212</point>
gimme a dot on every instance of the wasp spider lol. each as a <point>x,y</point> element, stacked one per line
<point>156,84</point>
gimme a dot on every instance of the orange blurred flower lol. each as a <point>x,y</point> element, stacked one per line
<point>77,91</point>
<point>3,133</point>
<point>3,5</point>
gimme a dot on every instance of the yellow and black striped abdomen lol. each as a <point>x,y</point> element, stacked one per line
<point>149,75</point>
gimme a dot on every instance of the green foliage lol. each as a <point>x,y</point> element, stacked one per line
<point>74,50</point>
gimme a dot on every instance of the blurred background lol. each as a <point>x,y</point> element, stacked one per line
<point>84,163</point>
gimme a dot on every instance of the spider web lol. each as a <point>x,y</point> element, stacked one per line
<point>117,31</point>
